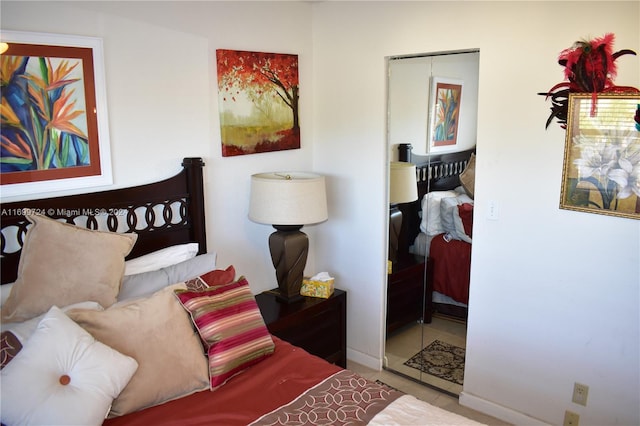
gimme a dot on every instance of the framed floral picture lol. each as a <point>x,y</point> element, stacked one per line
<point>601,172</point>
<point>54,115</point>
<point>446,98</point>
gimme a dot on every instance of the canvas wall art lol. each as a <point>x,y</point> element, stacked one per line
<point>258,96</point>
<point>53,122</point>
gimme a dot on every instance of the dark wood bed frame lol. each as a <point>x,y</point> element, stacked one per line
<point>163,214</point>
<point>435,172</point>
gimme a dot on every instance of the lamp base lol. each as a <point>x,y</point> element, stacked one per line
<point>283,298</point>
<point>395,227</point>
<point>289,249</point>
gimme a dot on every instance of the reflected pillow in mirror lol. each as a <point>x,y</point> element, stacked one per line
<point>431,223</point>
<point>453,217</point>
<point>465,227</point>
<point>468,176</point>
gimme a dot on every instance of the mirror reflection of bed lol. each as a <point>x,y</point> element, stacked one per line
<point>430,314</point>
<point>428,284</point>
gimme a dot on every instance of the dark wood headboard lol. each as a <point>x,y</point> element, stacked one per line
<point>435,172</point>
<point>163,214</point>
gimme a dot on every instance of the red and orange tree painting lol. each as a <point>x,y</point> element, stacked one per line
<point>258,96</point>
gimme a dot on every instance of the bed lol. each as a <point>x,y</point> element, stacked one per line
<point>176,339</point>
<point>441,224</point>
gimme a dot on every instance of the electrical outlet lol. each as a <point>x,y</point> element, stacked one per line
<point>571,418</point>
<point>580,393</point>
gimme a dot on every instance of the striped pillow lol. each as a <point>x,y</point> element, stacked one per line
<point>231,326</point>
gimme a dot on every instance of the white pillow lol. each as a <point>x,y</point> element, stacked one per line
<point>450,216</point>
<point>460,227</point>
<point>464,199</point>
<point>448,209</point>
<point>162,258</point>
<point>147,283</point>
<point>460,190</point>
<point>431,223</point>
<point>23,330</point>
<point>33,383</point>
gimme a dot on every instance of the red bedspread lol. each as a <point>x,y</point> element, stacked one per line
<point>244,398</point>
<point>451,267</point>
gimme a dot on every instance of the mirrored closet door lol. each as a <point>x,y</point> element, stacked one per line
<point>432,113</point>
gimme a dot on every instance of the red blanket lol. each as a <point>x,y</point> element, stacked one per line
<point>451,267</point>
<point>260,389</point>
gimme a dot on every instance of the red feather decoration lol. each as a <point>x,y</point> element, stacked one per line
<point>589,66</point>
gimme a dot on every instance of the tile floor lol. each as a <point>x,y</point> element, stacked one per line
<point>434,397</point>
<point>405,343</point>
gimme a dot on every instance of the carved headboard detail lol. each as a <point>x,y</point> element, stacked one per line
<point>163,213</point>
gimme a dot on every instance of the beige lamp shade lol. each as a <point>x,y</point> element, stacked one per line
<point>288,198</point>
<point>288,201</point>
<point>402,182</point>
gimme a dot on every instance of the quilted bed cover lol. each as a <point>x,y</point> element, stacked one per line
<point>293,387</point>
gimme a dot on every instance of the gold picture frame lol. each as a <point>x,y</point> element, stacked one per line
<point>601,172</point>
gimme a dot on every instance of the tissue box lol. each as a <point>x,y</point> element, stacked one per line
<point>315,288</point>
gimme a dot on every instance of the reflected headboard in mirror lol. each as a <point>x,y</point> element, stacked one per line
<point>435,172</point>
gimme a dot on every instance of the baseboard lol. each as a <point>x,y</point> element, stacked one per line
<point>364,359</point>
<point>498,411</point>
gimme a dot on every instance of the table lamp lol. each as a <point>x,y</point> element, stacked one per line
<point>402,189</point>
<point>288,201</point>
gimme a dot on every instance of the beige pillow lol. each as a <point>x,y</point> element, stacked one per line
<point>62,264</point>
<point>157,333</point>
<point>468,176</point>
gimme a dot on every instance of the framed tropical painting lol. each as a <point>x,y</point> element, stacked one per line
<point>446,98</point>
<point>54,130</point>
<point>601,171</point>
<point>258,95</point>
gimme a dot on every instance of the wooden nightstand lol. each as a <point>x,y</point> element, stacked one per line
<point>408,299</point>
<point>317,325</point>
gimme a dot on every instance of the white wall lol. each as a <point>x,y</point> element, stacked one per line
<point>409,100</point>
<point>554,294</point>
<point>161,84</point>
